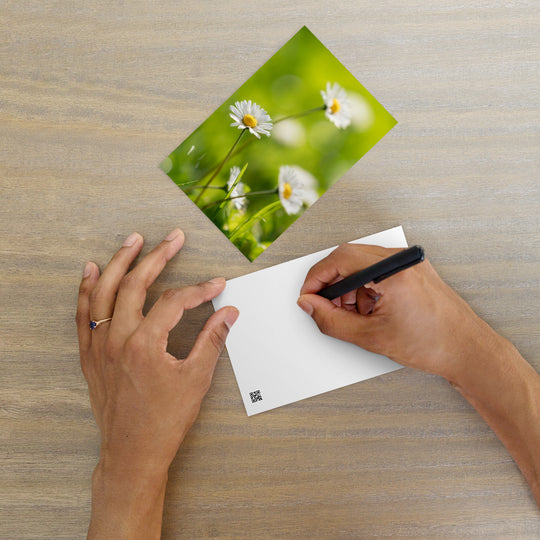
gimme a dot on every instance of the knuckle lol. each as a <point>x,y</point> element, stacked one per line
<point>169,294</point>
<point>216,338</point>
<point>129,281</point>
<point>98,294</point>
<point>203,289</point>
<point>343,249</point>
<point>158,255</point>
<point>341,253</point>
<point>135,344</point>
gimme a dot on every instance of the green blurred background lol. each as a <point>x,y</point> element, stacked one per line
<point>288,84</point>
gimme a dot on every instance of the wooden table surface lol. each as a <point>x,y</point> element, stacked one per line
<point>94,94</point>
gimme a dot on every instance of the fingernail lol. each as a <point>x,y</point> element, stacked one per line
<point>130,240</point>
<point>217,280</point>
<point>173,234</point>
<point>306,306</point>
<point>87,269</point>
<point>231,317</point>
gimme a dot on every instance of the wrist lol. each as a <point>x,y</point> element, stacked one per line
<point>126,468</point>
<point>126,501</point>
<point>492,369</point>
<point>109,473</point>
<point>505,390</point>
<point>473,351</point>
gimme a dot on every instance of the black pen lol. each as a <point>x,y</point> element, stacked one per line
<point>379,271</point>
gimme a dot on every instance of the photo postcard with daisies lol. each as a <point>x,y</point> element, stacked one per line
<point>278,143</point>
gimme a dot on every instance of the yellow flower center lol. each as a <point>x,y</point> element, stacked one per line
<point>287,190</point>
<point>334,108</point>
<point>249,120</point>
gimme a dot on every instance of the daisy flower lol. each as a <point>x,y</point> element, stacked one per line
<point>309,185</point>
<point>337,106</point>
<point>238,190</point>
<point>290,189</point>
<point>249,115</point>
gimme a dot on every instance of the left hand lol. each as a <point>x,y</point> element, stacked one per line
<point>144,399</point>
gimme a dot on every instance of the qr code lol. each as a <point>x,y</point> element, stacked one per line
<point>255,396</point>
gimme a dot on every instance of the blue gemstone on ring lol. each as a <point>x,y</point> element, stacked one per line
<point>92,324</point>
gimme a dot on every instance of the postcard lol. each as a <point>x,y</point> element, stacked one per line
<point>278,354</point>
<point>278,143</point>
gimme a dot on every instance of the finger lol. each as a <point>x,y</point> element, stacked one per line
<point>348,301</point>
<point>103,295</point>
<point>210,342</point>
<point>135,284</point>
<point>88,282</point>
<point>366,300</point>
<point>343,261</point>
<point>336,301</point>
<point>169,308</point>
<point>335,321</point>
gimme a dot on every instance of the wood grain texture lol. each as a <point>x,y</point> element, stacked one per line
<point>94,94</point>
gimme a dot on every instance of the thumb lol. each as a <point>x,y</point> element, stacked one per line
<point>335,321</point>
<point>209,343</point>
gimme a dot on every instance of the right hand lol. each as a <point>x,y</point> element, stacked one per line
<point>413,317</point>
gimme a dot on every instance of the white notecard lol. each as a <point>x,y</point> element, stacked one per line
<point>277,352</point>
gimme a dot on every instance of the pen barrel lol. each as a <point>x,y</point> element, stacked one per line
<point>377,272</point>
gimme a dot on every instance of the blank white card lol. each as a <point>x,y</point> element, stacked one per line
<point>277,352</point>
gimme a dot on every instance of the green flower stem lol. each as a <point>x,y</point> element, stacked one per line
<point>246,195</point>
<point>230,191</point>
<point>247,143</point>
<point>299,115</point>
<point>255,218</point>
<point>214,167</point>
<point>220,167</point>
